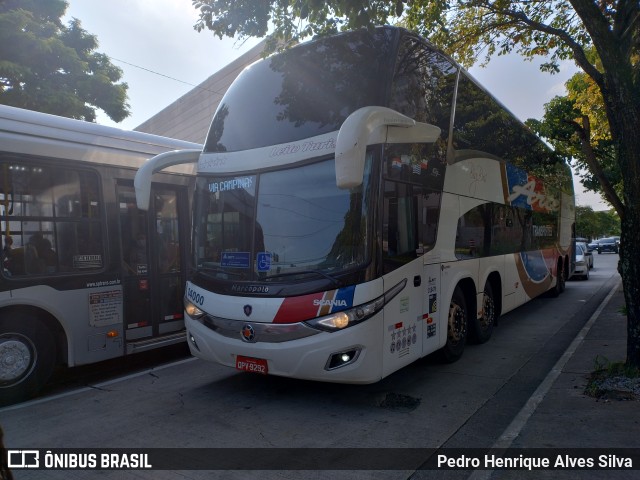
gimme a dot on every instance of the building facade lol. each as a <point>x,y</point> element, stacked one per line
<point>189,117</point>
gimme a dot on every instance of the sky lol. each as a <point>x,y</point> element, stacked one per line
<point>163,57</point>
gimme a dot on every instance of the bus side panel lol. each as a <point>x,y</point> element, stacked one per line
<point>433,310</point>
<point>403,326</point>
<point>476,177</point>
<point>567,219</point>
<point>85,315</point>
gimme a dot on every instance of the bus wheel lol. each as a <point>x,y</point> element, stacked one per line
<point>483,327</point>
<point>27,358</point>
<point>560,281</point>
<point>456,327</point>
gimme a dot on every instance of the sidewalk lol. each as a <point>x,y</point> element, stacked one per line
<point>568,418</point>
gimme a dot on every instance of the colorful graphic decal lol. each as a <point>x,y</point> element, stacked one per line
<point>298,309</point>
<point>526,191</point>
<point>535,268</point>
<point>535,271</point>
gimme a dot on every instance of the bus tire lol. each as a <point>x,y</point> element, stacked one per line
<point>27,357</point>
<point>457,326</point>
<point>560,280</point>
<point>482,328</point>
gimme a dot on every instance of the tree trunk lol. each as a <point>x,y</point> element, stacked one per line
<point>629,269</point>
<point>624,119</point>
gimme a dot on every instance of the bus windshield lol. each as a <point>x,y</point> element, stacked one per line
<point>284,223</point>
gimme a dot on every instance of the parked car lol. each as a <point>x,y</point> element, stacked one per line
<point>582,264</point>
<point>607,245</point>
<point>587,253</point>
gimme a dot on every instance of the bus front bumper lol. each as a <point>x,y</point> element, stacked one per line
<point>343,356</point>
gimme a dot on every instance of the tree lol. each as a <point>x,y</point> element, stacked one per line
<point>586,223</point>
<point>577,128</point>
<point>601,36</point>
<point>592,225</point>
<point>53,68</point>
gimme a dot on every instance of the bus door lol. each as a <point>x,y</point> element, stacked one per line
<point>152,264</point>
<point>402,263</point>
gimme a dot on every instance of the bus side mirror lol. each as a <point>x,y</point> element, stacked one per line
<point>142,180</point>
<point>357,131</point>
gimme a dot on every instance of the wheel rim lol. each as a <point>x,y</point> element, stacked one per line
<point>17,358</point>
<point>488,312</point>
<point>457,325</point>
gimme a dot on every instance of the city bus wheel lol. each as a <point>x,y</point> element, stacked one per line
<point>483,326</point>
<point>456,327</point>
<point>27,357</point>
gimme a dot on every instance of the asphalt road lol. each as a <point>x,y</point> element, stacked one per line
<point>427,405</point>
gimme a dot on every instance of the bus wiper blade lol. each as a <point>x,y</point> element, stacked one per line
<point>209,270</point>
<point>333,280</point>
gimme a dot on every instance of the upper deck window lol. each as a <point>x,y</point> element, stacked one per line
<point>307,91</point>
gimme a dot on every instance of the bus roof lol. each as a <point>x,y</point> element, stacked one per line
<point>34,133</point>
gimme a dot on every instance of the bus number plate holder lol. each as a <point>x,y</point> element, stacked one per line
<point>250,364</point>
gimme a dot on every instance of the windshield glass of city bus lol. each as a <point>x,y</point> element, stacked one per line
<point>291,222</point>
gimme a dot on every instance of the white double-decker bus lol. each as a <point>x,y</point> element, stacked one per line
<point>360,203</point>
<point>86,276</point>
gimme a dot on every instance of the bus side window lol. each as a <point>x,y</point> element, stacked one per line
<point>53,218</point>
<point>400,224</point>
<point>423,84</point>
<point>473,236</point>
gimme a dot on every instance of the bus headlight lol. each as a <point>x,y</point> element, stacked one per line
<point>191,309</point>
<point>347,318</point>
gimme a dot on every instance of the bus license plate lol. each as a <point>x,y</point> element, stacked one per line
<point>249,364</point>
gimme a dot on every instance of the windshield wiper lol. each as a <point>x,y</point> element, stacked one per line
<point>216,270</point>
<point>333,280</point>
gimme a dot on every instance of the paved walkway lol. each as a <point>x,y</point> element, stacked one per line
<point>565,417</point>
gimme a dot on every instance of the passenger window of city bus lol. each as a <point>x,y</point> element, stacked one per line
<point>50,220</point>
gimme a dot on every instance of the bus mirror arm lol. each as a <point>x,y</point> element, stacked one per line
<point>142,180</point>
<point>356,132</point>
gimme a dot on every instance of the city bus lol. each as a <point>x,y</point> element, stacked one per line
<point>360,203</point>
<point>86,275</point>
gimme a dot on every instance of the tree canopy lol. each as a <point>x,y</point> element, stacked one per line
<point>592,225</point>
<point>54,68</point>
<point>577,129</point>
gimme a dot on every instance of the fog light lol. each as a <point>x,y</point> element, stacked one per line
<point>193,342</point>
<point>341,359</point>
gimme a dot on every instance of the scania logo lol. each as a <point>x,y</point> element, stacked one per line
<point>248,333</point>
<point>330,303</point>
